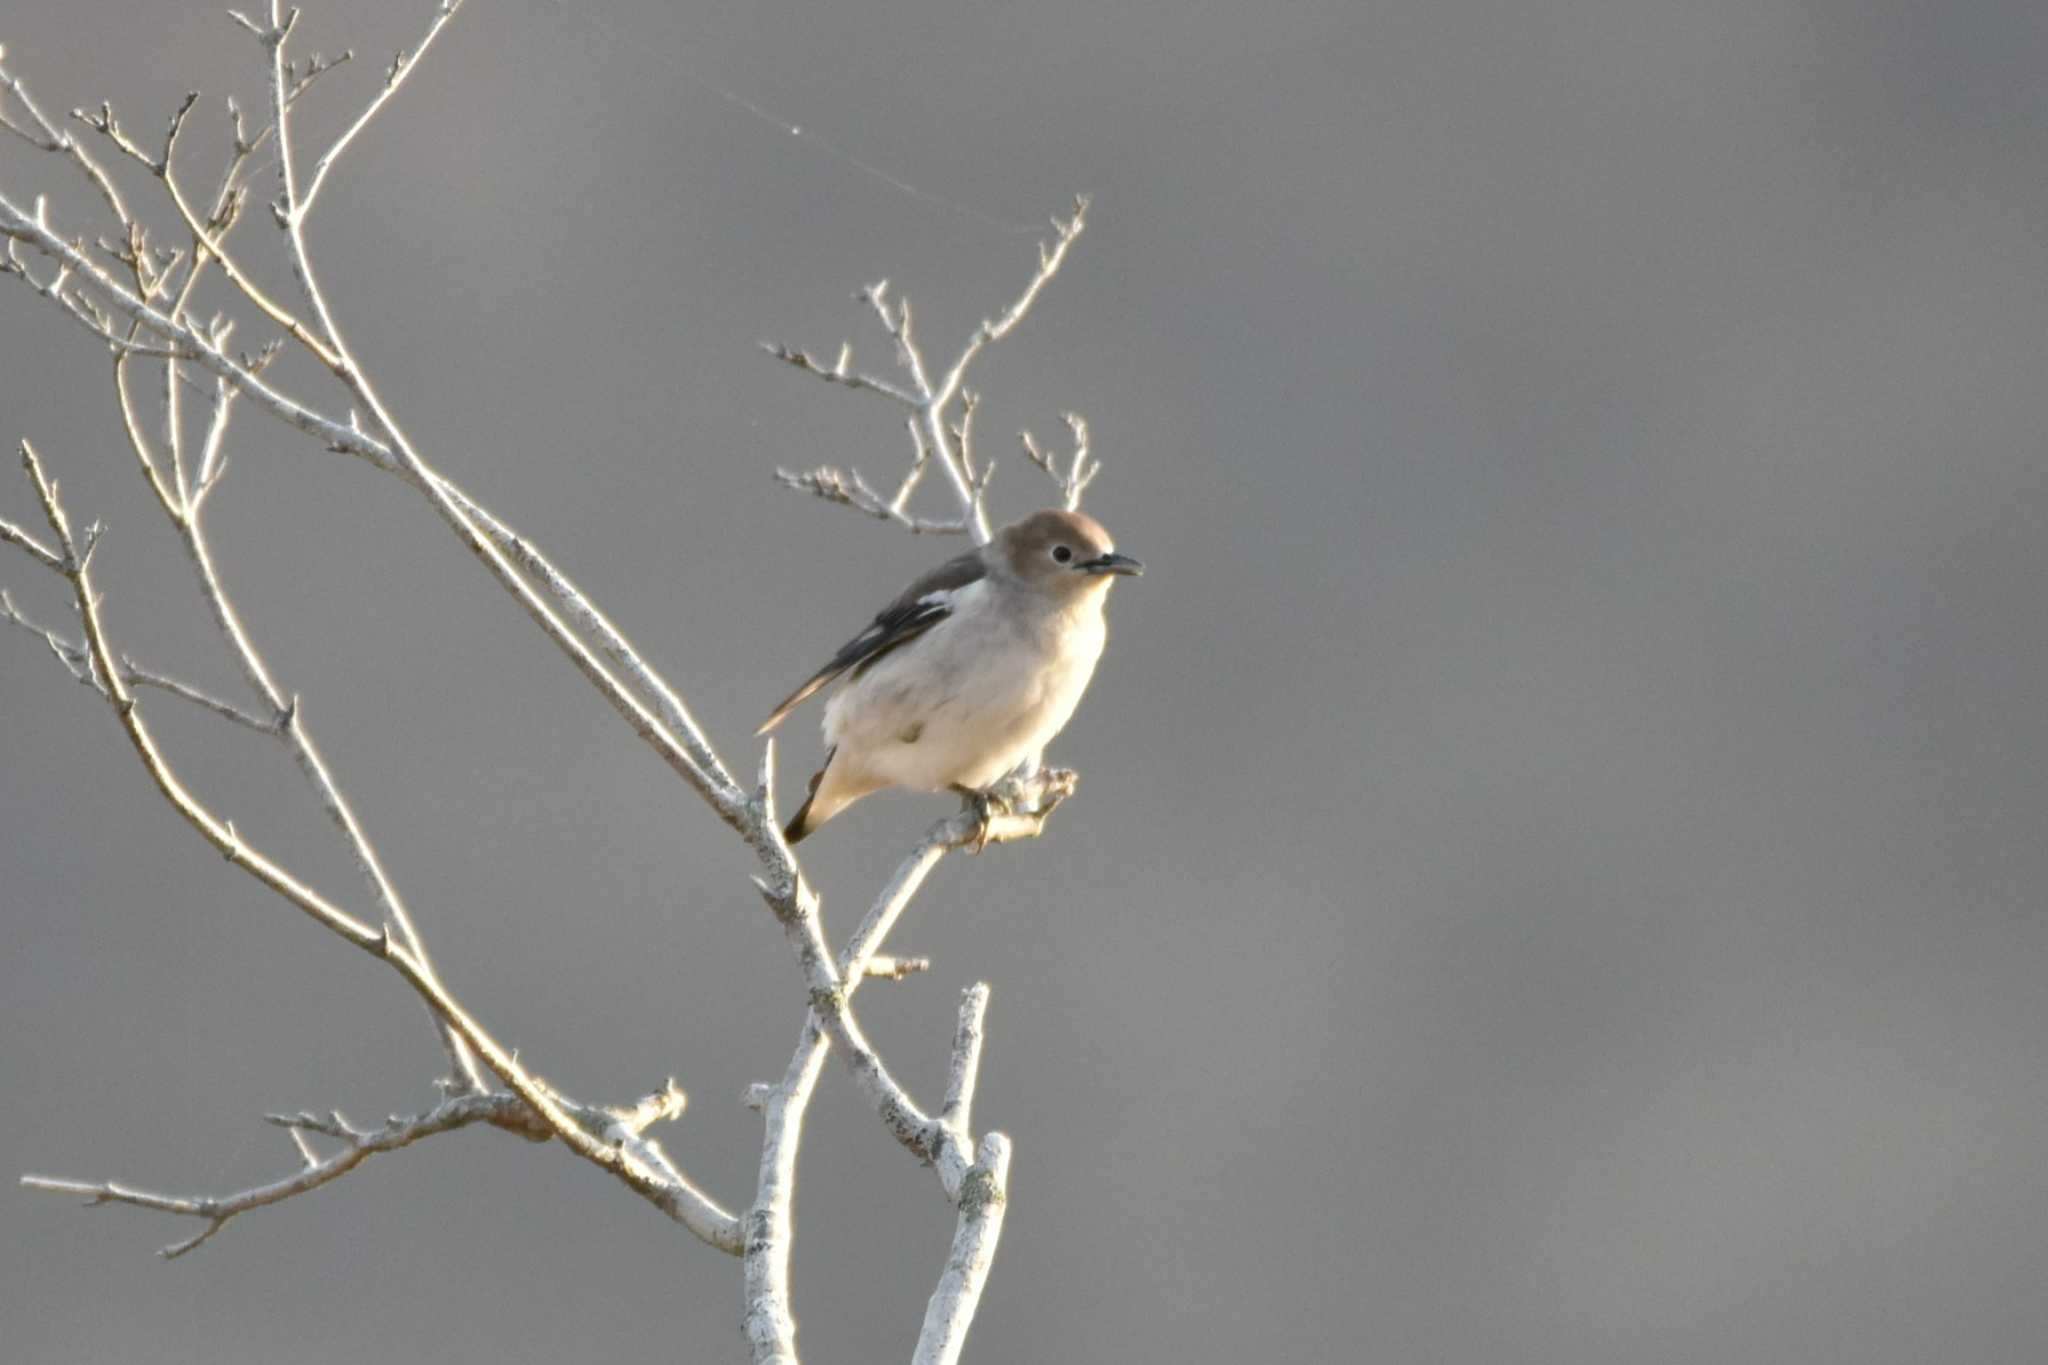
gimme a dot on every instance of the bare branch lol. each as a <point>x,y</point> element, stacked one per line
<point>217,831</point>
<point>831,986</point>
<point>963,434</point>
<point>1049,262</point>
<point>984,1197</point>
<point>661,1106</point>
<point>675,734</point>
<point>179,503</point>
<point>672,732</point>
<point>795,907</point>
<point>290,727</point>
<point>932,431</point>
<point>830,1006</point>
<point>1081,470</point>
<point>839,373</point>
<point>769,1224</point>
<point>139,677</point>
<point>37,551</point>
<point>901,331</point>
<point>109,127</point>
<point>212,455</point>
<point>635,1161</point>
<point>358,1145</point>
<point>770,1325</point>
<point>158,327</point>
<point>401,67</point>
<point>138,442</point>
<point>48,137</point>
<point>212,244</point>
<point>654,1179</point>
<point>965,1070</point>
<point>58,289</point>
<point>305,74</point>
<point>883,967</point>
<point>849,489</point>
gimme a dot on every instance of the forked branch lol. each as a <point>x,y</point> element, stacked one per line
<point>933,431</point>
<point>357,1145</point>
<point>141,311</point>
<point>589,1133</point>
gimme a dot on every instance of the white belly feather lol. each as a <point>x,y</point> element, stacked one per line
<point>965,702</point>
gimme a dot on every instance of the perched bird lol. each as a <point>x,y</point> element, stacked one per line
<point>971,671</point>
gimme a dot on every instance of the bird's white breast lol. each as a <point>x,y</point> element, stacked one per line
<point>967,701</point>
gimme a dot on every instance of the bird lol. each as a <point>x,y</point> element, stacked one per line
<point>970,672</point>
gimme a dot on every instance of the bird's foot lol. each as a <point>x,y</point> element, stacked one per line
<point>985,805</point>
<point>1016,806</point>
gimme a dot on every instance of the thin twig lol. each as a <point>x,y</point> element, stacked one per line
<point>1065,234</point>
<point>615,1139</point>
<point>358,1145</point>
<point>1081,469</point>
<point>849,489</point>
<point>37,551</point>
<point>139,677</point>
<point>669,729</point>
<point>401,67</point>
<point>655,1180</point>
<point>964,1073</point>
<point>883,967</point>
<point>932,431</point>
<point>50,138</point>
<point>838,373</point>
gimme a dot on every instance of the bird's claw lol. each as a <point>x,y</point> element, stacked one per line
<point>1032,796</point>
<point>987,805</point>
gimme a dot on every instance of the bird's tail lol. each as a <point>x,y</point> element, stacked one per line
<point>801,823</point>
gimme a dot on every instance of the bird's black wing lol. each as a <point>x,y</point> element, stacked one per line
<point>923,605</point>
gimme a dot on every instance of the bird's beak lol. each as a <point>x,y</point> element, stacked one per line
<point>1112,562</point>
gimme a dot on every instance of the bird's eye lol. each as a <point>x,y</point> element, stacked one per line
<point>1061,553</point>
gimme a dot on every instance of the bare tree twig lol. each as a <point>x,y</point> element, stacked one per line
<point>401,67</point>
<point>770,1325</point>
<point>831,987</point>
<point>48,137</point>
<point>882,967</point>
<point>180,502</point>
<point>1081,469</point>
<point>849,489</point>
<point>932,431</point>
<point>965,1071</point>
<point>984,1197</point>
<point>839,373</point>
<point>220,833</point>
<point>654,1180</point>
<point>37,551</point>
<point>1050,259</point>
<point>684,746</point>
<point>61,290</point>
<point>769,1225</point>
<point>674,717</point>
<point>974,1177</point>
<point>500,1110</point>
<point>670,730</point>
<point>78,659</point>
<point>138,677</point>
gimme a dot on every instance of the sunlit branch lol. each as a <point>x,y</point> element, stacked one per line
<point>933,432</point>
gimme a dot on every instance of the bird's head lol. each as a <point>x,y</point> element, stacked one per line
<point>1066,553</point>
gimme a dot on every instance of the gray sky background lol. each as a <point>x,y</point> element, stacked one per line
<point>1559,873</point>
